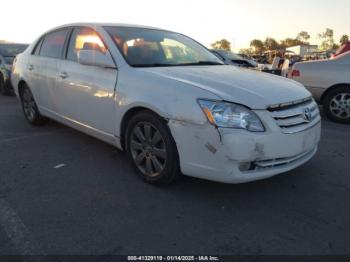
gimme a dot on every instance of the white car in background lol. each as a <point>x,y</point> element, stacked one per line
<point>329,82</point>
<point>168,101</point>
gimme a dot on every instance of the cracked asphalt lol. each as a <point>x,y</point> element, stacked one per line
<point>95,204</point>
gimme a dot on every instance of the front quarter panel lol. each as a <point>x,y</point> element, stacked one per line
<point>170,99</point>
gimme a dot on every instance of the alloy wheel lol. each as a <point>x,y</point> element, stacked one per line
<point>148,149</point>
<point>29,106</point>
<point>340,105</point>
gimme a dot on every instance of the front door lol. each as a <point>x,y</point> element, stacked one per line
<point>86,93</point>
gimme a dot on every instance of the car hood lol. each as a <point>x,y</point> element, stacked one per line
<point>247,87</point>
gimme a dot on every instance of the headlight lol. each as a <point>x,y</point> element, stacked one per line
<point>230,115</point>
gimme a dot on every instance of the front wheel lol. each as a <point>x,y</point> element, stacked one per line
<point>152,149</point>
<point>30,108</point>
<point>337,104</point>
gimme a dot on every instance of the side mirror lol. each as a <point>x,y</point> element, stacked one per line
<point>95,58</point>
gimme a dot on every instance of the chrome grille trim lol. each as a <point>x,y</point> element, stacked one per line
<point>292,117</point>
<point>289,104</point>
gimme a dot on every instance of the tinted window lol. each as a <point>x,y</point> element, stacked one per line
<point>37,47</point>
<point>84,38</point>
<point>53,44</point>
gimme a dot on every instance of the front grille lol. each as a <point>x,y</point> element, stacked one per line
<point>280,162</point>
<point>296,116</point>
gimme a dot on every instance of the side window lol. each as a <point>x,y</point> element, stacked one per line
<point>37,47</point>
<point>53,44</point>
<point>84,38</point>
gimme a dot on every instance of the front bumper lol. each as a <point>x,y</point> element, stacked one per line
<point>239,156</point>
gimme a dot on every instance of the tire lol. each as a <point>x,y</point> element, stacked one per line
<point>152,149</point>
<point>337,104</point>
<point>30,108</point>
<point>4,90</point>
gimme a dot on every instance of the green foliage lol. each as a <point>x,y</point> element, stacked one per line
<point>344,39</point>
<point>288,42</point>
<point>222,44</point>
<point>303,37</point>
<point>257,46</point>
<point>271,44</point>
<point>327,38</point>
<point>247,51</point>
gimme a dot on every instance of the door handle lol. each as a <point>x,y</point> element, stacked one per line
<point>30,67</point>
<point>63,75</point>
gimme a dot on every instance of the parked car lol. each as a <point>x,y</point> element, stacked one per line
<point>231,58</point>
<point>7,55</point>
<point>329,82</point>
<point>168,102</point>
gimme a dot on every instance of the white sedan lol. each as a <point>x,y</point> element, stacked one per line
<point>329,82</point>
<point>168,101</point>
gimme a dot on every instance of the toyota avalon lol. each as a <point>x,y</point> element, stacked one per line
<point>166,100</point>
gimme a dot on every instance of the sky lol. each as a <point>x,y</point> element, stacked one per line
<point>239,21</point>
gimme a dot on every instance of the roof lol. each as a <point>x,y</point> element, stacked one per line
<point>109,24</point>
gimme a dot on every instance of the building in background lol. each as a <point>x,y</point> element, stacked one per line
<point>303,50</point>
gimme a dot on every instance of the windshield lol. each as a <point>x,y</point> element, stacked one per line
<point>11,50</point>
<point>150,48</point>
<point>229,55</point>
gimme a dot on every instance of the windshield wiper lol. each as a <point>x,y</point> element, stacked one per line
<point>202,63</point>
<point>152,65</point>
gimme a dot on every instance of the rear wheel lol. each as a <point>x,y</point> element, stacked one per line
<point>30,108</point>
<point>152,149</point>
<point>337,104</point>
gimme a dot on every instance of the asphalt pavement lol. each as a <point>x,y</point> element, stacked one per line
<point>93,202</point>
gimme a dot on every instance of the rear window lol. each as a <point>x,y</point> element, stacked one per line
<point>53,44</point>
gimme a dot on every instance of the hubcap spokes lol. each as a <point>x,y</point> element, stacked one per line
<point>148,149</point>
<point>28,104</point>
<point>340,105</point>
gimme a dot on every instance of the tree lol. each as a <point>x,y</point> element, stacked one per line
<point>222,44</point>
<point>344,39</point>
<point>247,51</point>
<point>327,38</point>
<point>288,42</point>
<point>258,46</point>
<point>303,37</point>
<point>271,44</point>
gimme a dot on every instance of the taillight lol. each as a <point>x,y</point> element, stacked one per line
<point>295,73</point>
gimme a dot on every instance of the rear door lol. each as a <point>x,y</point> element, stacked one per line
<point>35,72</point>
<point>86,93</point>
<point>45,68</point>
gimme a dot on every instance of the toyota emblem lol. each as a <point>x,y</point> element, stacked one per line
<point>307,114</point>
